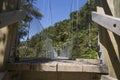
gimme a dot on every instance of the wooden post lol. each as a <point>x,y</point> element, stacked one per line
<point>110,42</point>
<point>8,33</point>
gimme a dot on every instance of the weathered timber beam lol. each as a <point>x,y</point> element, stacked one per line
<point>8,18</point>
<point>109,22</point>
<point>60,66</point>
<point>2,75</point>
<point>107,77</point>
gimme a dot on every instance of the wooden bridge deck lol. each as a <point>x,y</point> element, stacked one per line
<point>45,65</point>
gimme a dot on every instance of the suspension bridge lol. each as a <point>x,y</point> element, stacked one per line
<point>61,68</point>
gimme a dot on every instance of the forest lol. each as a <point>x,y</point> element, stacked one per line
<point>76,37</point>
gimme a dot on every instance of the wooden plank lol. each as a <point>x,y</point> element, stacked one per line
<point>43,67</point>
<point>49,67</point>
<point>95,69</point>
<point>109,42</point>
<point>109,22</point>
<point>8,18</point>
<point>107,77</point>
<point>69,67</point>
<point>2,75</point>
<point>58,66</point>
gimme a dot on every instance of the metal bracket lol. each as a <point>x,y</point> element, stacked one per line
<point>8,18</point>
<point>109,22</point>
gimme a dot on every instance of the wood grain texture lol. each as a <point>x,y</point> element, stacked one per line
<point>59,66</point>
<point>109,22</point>
<point>109,42</point>
<point>8,18</point>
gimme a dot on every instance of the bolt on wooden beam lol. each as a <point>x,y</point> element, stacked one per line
<point>109,22</point>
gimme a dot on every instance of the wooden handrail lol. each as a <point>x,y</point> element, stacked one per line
<point>109,22</point>
<point>8,18</point>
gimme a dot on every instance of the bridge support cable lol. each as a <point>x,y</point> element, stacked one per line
<point>50,10</point>
<point>49,49</point>
<point>89,23</point>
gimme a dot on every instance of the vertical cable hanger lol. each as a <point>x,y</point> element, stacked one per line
<point>50,9</point>
<point>45,33</point>
<point>77,21</point>
<point>70,22</point>
<point>17,36</point>
<point>71,7</point>
<point>28,32</point>
<point>89,23</point>
<point>77,18</point>
<point>27,40</point>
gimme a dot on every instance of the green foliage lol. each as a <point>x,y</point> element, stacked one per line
<point>73,32</point>
<point>31,12</point>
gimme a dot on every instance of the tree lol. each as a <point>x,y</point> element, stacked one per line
<point>31,12</point>
<point>69,36</point>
